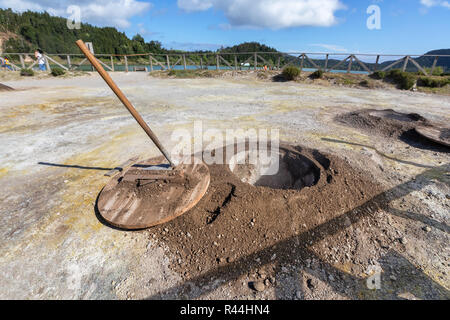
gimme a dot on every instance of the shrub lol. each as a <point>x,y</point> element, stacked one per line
<point>318,74</point>
<point>438,71</point>
<point>27,72</point>
<point>404,80</point>
<point>378,75</point>
<point>58,72</point>
<point>291,73</point>
<point>433,83</point>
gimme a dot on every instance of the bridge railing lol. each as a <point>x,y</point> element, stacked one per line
<point>328,62</point>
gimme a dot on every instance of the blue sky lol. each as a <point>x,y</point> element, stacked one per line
<point>407,26</point>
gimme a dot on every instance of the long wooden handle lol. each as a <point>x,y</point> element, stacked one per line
<point>123,98</point>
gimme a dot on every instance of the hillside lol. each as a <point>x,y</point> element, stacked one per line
<point>40,30</point>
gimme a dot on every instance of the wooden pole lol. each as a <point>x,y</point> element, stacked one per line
<point>22,62</point>
<point>123,99</point>
<point>69,64</point>
<point>217,62</point>
<point>201,63</point>
<point>279,63</point>
<point>235,62</point>
<point>434,64</point>
<point>126,64</point>
<point>112,63</point>
<point>303,62</point>
<point>350,62</point>
<point>326,63</point>
<point>256,61</point>
<point>47,65</point>
<point>377,63</point>
<point>405,64</point>
<point>168,62</point>
<point>184,61</point>
<point>151,62</point>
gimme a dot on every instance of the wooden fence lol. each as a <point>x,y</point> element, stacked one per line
<point>231,61</point>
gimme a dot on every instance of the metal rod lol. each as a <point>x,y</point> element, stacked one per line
<point>123,98</point>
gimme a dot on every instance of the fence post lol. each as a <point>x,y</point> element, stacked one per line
<point>303,62</point>
<point>217,62</point>
<point>151,62</point>
<point>126,64</point>
<point>434,65</point>
<point>256,61</point>
<point>326,62</point>
<point>168,62</point>
<point>47,64</point>
<point>405,64</point>
<point>184,61</point>
<point>22,62</point>
<point>235,62</point>
<point>377,63</point>
<point>69,64</point>
<point>201,63</point>
<point>279,63</point>
<point>350,62</point>
<point>112,63</point>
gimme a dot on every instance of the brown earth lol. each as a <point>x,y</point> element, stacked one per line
<point>391,124</point>
<point>5,88</point>
<point>235,220</point>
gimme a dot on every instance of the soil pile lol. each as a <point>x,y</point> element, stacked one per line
<point>235,219</point>
<point>5,88</point>
<point>411,128</point>
<point>387,123</point>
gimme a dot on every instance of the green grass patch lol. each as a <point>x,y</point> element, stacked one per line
<point>318,74</point>
<point>290,73</point>
<point>56,72</point>
<point>26,72</point>
<point>404,80</point>
<point>433,82</point>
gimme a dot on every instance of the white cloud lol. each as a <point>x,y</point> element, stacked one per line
<point>194,5</point>
<point>435,3</point>
<point>330,47</point>
<point>274,14</point>
<point>101,12</point>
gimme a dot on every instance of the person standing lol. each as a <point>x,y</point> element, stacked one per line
<point>40,59</point>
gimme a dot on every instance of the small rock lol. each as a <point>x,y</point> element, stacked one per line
<point>310,283</point>
<point>403,240</point>
<point>426,229</point>
<point>267,282</point>
<point>215,243</point>
<point>393,278</point>
<point>298,294</point>
<point>330,277</point>
<point>258,286</point>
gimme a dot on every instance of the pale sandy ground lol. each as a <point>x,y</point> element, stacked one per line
<point>53,245</point>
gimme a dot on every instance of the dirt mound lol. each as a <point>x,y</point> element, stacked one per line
<point>404,126</point>
<point>236,219</point>
<point>5,88</point>
<point>387,123</point>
